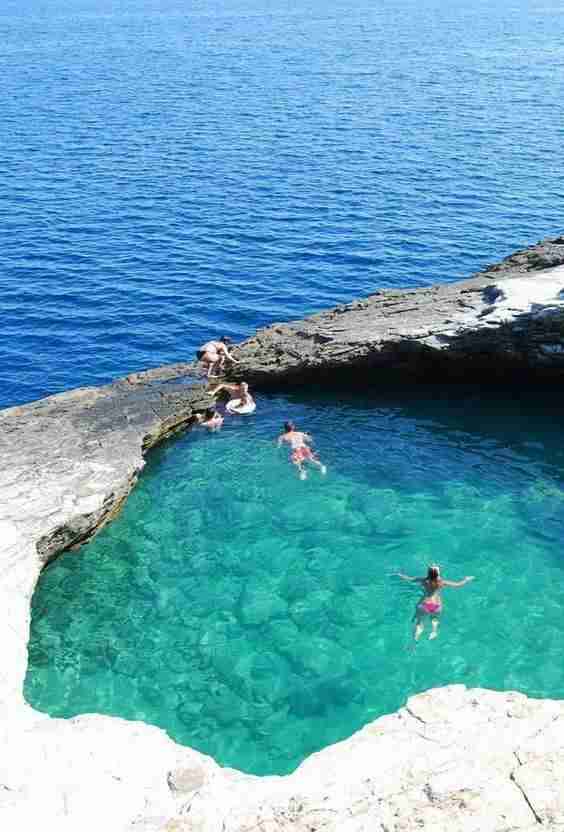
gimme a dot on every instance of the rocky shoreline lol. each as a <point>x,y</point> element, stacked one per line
<point>505,322</point>
<point>452,759</point>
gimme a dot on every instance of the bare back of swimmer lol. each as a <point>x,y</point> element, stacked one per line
<point>431,605</point>
<point>300,450</point>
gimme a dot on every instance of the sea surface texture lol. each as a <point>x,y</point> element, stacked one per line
<point>259,618</point>
<point>172,170</point>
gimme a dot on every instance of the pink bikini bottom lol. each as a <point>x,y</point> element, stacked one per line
<point>430,606</point>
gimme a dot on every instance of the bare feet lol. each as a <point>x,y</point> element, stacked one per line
<point>323,469</point>
<point>303,475</point>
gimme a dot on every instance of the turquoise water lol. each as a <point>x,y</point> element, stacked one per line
<point>257,618</point>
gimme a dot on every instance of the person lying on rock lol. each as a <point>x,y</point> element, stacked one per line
<point>431,605</point>
<point>240,400</point>
<point>213,354</point>
<point>211,419</point>
<point>301,452</point>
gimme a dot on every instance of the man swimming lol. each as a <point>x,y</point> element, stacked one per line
<point>301,452</point>
<point>431,603</point>
<point>214,354</point>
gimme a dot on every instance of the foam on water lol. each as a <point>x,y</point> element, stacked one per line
<point>257,617</point>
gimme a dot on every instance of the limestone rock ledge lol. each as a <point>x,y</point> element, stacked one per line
<point>452,760</point>
<point>505,321</point>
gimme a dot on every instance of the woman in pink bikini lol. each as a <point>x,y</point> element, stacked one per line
<point>431,603</point>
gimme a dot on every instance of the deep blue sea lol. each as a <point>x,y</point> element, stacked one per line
<point>172,170</point>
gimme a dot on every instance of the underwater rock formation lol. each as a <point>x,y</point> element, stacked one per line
<point>452,759</point>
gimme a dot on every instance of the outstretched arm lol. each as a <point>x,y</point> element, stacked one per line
<point>409,578</point>
<point>222,350</point>
<point>219,388</point>
<point>456,584</point>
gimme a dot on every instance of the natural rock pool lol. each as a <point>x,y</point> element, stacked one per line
<point>257,618</point>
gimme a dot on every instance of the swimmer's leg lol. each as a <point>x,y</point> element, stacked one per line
<point>320,465</point>
<point>419,625</point>
<point>434,628</point>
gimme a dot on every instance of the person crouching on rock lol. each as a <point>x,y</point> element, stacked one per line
<point>213,354</point>
<point>301,452</point>
<point>211,419</point>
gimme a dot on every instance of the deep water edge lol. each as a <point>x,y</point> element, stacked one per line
<point>258,618</point>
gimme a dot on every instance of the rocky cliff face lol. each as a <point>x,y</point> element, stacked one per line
<point>451,760</point>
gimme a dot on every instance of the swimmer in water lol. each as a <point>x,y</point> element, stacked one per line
<point>301,452</point>
<point>236,391</point>
<point>211,419</point>
<point>431,603</point>
<point>214,354</point>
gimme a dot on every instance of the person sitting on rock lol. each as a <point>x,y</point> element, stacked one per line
<point>214,354</point>
<point>301,452</point>
<point>211,419</point>
<point>431,605</point>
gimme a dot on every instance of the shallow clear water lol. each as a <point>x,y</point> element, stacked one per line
<point>173,170</point>
<point>257,617</point>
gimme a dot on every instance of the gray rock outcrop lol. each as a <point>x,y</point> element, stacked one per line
<point>506,321</point>
<point>452,759</point>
